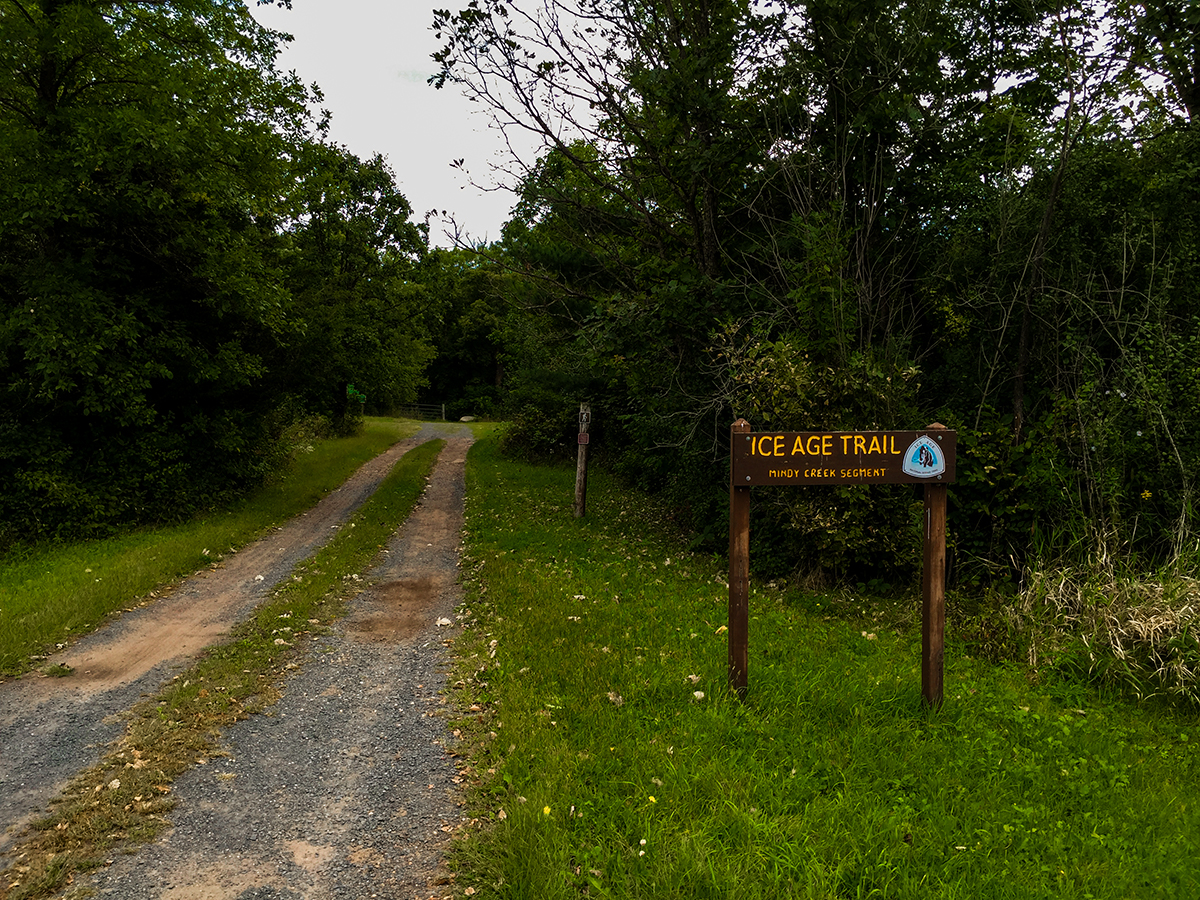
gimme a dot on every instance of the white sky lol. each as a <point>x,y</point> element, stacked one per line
<point>371,59</point>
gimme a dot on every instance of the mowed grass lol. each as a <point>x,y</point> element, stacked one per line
<point>53,593</point>
<point>607,758</point>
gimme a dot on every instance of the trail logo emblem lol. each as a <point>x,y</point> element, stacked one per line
<point>924,458</point>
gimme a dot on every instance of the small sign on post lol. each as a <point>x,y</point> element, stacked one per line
<point>933,586</point>
<point>585,422</point>
<point>841,457</point>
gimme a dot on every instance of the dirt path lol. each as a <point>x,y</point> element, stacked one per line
<point>347,751</point>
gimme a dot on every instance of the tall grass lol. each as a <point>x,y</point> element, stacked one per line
<point>1129,629</point>
<point>52,593</point>
<point>606,757</point>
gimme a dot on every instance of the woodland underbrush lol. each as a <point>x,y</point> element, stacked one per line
<point>1097,621</point>
<point>1137,631</point>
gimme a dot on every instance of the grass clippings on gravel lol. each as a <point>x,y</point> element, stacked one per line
<point>123,800</point>
<point>51,594</point>
<point>606,757</point>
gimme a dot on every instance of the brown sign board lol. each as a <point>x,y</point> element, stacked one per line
<point>842,457</point>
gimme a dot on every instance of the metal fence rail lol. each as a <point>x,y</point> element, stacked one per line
<point>429,412</point>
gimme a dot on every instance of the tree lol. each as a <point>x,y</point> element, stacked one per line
<point>1161,40</point>
<point>649,87</point>
<point>835,215</point>
<point>142,161</point>
<point>638,108</point>
<point>469,372</point>
<point>720,179</point>
<point>351,256</point>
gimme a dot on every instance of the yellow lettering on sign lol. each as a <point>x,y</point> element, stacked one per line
<point>798,447</point>
<point>762,440</point>
<point>894,451</point>
<point>813,445</point>
<point>860,444</point>
<point>874,448</point>
<point>827,445</point>
<point>846,438</point>
<point>779,445</point>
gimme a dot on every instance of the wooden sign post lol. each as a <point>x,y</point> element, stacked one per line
<point>585,422</point>
<point>842,457</point>
<point>739,576</point>
<point>933,590</point>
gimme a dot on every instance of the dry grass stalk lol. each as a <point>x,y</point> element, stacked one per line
<point>1145,631</point>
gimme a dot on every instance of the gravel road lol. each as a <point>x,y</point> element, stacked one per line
<point>343,788</point>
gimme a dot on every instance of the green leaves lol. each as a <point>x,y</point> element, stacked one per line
<point>351,253</point>
<point>141,154</point>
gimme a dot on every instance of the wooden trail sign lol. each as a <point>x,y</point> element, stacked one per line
<point>841,457</point>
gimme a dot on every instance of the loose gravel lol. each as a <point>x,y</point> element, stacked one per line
<point>344,788</point>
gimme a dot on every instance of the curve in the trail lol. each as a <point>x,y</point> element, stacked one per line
<point>52,728</point>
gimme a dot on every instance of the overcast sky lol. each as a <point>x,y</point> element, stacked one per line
<point>371,58</point>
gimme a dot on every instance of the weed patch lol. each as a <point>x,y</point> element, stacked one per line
<point>1137,633</point>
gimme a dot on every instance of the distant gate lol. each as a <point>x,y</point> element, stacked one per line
<point>428,412</point>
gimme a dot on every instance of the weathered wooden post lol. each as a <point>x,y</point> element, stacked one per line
<point>585,421</point>
<point>933,588</point>
<point>739,572</point>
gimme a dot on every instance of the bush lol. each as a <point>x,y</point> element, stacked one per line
<point>1139,633</point>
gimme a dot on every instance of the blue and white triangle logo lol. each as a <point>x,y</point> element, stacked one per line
<point>924,458</point>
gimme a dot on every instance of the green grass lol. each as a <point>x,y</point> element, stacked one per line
<point>51,594</point>
<point>595,768</point>
<point>124,799</point>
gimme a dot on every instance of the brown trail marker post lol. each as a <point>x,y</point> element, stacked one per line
<point>933,589</point>
<point>585,421</point>
<point>739,575</point>
<point>842,457</point>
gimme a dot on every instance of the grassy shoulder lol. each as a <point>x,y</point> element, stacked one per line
<point>123,800</point>
<point>606,755</point>
<point>55,593</point>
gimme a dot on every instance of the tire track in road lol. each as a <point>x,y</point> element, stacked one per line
<point>344,788</point>
<point>52,728</point>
